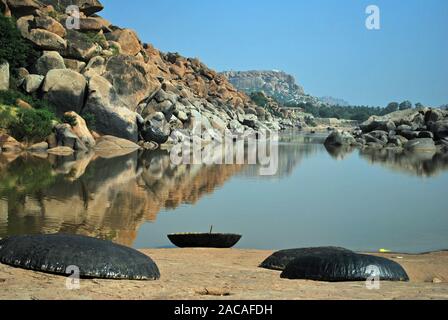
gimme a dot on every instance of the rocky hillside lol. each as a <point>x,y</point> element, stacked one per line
<point>277,84</point>
<point>130,89</point>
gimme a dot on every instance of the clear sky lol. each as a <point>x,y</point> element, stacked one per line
<point>323,43</point>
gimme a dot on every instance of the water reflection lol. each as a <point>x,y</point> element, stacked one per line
<point>112,198</point>
<point>418,164</point>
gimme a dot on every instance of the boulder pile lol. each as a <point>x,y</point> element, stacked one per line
<point>413,130</point>
<point>131,89</point>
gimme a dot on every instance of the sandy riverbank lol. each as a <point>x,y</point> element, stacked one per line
<point>210,273</point>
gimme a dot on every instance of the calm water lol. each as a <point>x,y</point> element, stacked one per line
<point>358,200</point>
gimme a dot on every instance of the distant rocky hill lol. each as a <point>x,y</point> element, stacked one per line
<point>331,101</point>
<point>277,84</point>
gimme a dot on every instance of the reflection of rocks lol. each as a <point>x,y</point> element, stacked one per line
<point>89,195</point>
<point>419,164</point>
<point>292,149</point>
<point>339,152</point>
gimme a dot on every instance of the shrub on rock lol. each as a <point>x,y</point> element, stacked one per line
<point>32,125</point>
<point>13,48</point>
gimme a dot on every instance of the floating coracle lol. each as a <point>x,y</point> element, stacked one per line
<point>94,258</point>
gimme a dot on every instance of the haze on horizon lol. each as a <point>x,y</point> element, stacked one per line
<point>323,43</point>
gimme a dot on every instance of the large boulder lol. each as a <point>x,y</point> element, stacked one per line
<point>65,137</point>
<point>156,131</point>
<point>130,78</point>
<point>66,89</point>
<point>22,7</point>
<point>79,128</point>
<point>128,40</point>
<point>112,117</point>
<point>110,146</point>
<point>4,75</point>
<point>80,47</point>
<point>421,145</point>
<point>434,115</point>
<point>50,24</point>
<point>91,24</point>
<point>9,144</point>
<point>88,7</point>
<point>340,138</point>
<point>372,124</point>
<point>32,82</point>
<point>48,61</point>
<point>46,40</point>
<point>96,66</point>
<point>24,25</point>
<point>440,129</point>
<point>377,136</point>
<point>74,65</point>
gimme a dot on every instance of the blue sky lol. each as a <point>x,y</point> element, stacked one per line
<point>323,43</point>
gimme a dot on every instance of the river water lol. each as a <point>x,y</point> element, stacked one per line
<point>345,197</point>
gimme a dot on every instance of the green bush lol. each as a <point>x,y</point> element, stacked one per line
<point>71,120</point>
<point>13,47</point>
<point>32,125</point>
<point>9,98</point>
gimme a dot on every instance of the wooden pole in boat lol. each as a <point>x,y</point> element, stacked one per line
<point>211,229</point>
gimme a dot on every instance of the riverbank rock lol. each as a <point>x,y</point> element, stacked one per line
<point>80,130</point>
<point>66,89</point>
<point>61,151</point>
<point>440,128</point>
<point>38,147</point>
<point>66,137</point>
<point>4,75</point>
<point>9,144</point>
<point>421,145</point>
<point>340,138</point>
<point>417,130</point>
<point>109,147</point>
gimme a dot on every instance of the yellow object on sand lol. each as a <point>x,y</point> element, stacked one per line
<point>384,250</point>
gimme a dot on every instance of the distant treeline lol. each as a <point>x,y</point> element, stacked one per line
<point>359,113</point>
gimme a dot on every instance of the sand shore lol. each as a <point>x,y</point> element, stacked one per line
<point>228,274</point>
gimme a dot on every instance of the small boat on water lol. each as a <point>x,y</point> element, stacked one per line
<point>204,240</point>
